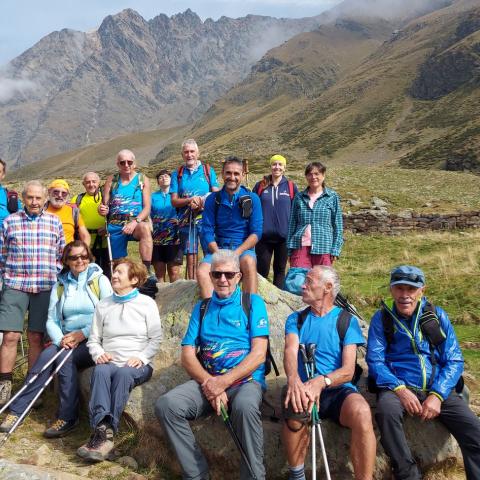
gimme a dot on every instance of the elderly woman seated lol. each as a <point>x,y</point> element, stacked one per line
<point>125,336</point>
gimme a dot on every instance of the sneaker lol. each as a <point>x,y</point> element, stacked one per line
<point>8,423</point>
<point>5,391</point>
<point>99,445</point>
<point>60,428</point>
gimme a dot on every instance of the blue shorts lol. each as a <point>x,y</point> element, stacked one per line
<point>119,241</point>
<point>251,253</point>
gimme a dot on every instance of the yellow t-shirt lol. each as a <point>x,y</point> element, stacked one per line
<point>65,214</point>
<point>93,220</point>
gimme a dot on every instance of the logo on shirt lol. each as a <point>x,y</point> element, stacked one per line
<point>262,323</point>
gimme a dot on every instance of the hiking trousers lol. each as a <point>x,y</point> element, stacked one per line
<point>186,402</point>
<point>67,380</point>
<point>455,414</point>
<point>264,250</point>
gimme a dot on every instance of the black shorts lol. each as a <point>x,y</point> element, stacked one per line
<point>331,401</point>
<point>167,254</point>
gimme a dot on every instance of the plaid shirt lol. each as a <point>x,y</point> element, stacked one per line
<point>325,220</point>
<point>30,251</point>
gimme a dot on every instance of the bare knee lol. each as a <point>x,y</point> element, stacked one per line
<point>248,265</point>
<point>142,232</point>
<point>10,339</point>
<point>203,271</point>
<point>359,416</point>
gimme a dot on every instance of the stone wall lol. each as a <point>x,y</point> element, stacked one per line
<point>380,221</point>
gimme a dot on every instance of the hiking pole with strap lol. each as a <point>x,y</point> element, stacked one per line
<point>343,302</point>
<point>34,377</point>
<point>109,247</point>
<point>229,425</point>
<point>311,347</point>
<point>30,405</point>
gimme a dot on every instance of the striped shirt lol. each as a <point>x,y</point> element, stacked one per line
<point>325,220</point>
<point>30,251</point>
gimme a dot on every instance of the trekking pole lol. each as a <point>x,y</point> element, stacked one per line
<point>229,425</point>
<point>188,240</point>
<point>30,405</point>
<point>34,377</point>
<point>195,248</point>
<point>109,247</point>
<point>311,347</point>
<point>342,302</point>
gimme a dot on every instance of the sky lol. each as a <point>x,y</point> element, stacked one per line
<point>24,22</point>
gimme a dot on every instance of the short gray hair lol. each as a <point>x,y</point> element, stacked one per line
<point>125,151</point>
<point>329,274</point>
<point>34,183</point>
<point>226,256</point>
<point>90,173</point>
<point>189,141</point>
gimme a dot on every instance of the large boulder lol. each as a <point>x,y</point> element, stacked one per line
<point>430,443</point>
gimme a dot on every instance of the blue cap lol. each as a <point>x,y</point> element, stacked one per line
<point>407,275</point>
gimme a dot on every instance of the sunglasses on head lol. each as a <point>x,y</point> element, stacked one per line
<point>228,275</point>
<point>125,162</point>
<point>82,256</point>
<point>59,193</point>
<point>411,277</point>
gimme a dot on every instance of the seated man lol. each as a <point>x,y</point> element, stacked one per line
<point>232,219</point>
<point>126,203</point>
<point>331,386</point>
<point>404,337</point>
<point>88,203</point>
<point>69,215</point>
<point>230,371</point>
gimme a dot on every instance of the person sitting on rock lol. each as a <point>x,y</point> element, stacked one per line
<point>416,363</point>
<point>232,219</point>
<point>228,370</point>
<point>124,338</point>
<point>331,388</point>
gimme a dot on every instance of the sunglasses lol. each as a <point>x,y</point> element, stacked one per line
<point>228,275</point>
<point>125,162</point>
<point>59,193</point>
<point>82,256</point>
<point>411,277</point>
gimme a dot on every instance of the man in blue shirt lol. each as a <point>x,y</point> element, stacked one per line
<point>228,370</point>
<point>4,211</point>
<point>190,186</point>
<point>415,360</point>
<point>331,386</point>
<point>232,219</point>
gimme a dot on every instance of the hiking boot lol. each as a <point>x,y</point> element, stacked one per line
<point>99,445</point>
<point>8,423</point>
<point>5,391</point>
<point>60,428</point>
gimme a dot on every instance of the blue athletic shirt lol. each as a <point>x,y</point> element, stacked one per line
<point>4,213</point>
<point>127,199</point>
<point>225,338</point>
<point>191,184</point>
<point>164,219</point>
<point>323,332</point>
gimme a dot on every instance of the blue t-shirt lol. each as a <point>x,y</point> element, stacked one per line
<point>164,219</point>
<point>323,332</point>
<point>4,213</point>
<point>191,184</point>
<point>127,199</point>
<point>225,335</point>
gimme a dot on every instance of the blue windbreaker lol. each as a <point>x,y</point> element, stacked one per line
<point>406,361</point>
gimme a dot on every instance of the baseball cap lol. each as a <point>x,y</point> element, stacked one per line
<point>407,275</point>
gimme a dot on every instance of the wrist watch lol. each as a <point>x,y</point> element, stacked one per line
<point>327,381</point>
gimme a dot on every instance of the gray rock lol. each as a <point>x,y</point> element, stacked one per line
<point>12,471</point>
<point>41,457</point>
<point>353,202</point>
<point>129,462</point>
<point>378,202</point>
<point>405,214</point>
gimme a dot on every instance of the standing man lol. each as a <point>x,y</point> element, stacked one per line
<point>126,201</point>
<point>88,203</point>
<point>229,370</point>
<point>190,186</point>
<point>31,246</point>
<point>8,204</point>
<point>415,360</point>
<point>72,221</point>
<point>331,388</point>
<point>232,219</point>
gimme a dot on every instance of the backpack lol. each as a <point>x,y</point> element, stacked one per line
<point>94,285</point>
<point>12,201</point>
<point>80,196</point>
<point>245,204</point>
<point>263,185</point>
<point>343,322</point>
<point>246,305</point>
<point>206,172</point>
<point>116,181</point>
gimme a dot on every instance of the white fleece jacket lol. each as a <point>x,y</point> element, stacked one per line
<point>125,330</point>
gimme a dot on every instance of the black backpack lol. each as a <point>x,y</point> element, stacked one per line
<point>12,201</point>
<point>246,305</point>
<point>343,322</point>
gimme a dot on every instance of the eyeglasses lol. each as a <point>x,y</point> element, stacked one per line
<point>125,162</point>
<point>59,193</point>
<point>411,277</point>
<point>82,256</point>
<point>228,275</point>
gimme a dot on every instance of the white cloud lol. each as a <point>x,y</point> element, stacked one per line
<point>10,87</point>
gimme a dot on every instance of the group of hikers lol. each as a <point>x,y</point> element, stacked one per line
<point>83,314</point>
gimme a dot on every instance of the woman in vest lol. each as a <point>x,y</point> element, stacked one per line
<point>276,194</point>
<point>81,284</point>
